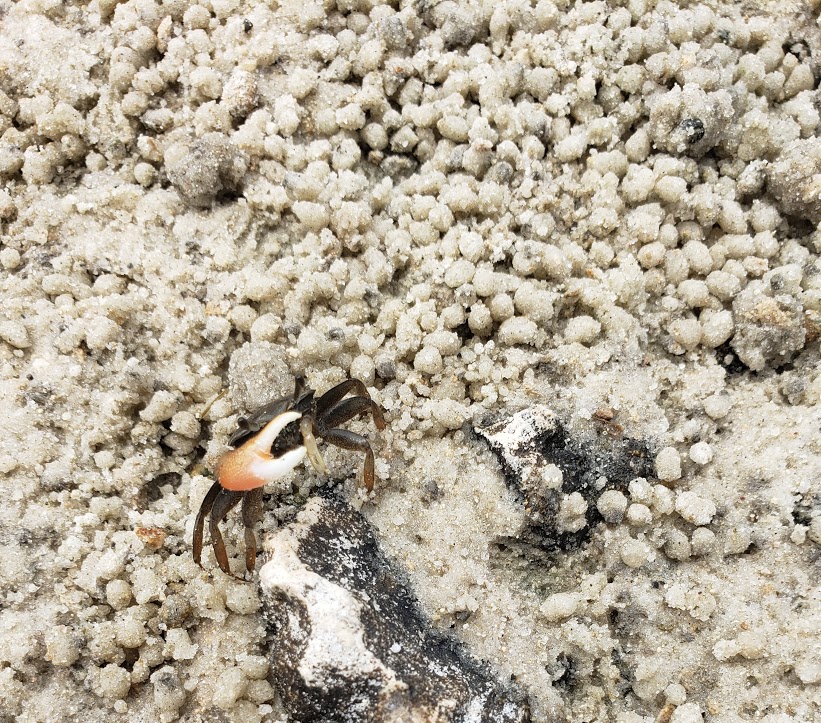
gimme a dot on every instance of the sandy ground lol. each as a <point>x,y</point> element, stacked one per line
<point>475,208</point>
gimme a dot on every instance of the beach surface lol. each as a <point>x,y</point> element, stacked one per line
<point>589,225</point>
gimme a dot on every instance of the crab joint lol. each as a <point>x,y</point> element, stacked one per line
<point>252,465</point>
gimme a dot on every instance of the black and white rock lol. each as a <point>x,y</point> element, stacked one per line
<point>556,472</point>
<point>348,641</point>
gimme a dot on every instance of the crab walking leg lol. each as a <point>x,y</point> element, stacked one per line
<point>356,442</point>
<point>205,510</point>
<point>306,426</point>
<point>252,464</point>
<point>223,504</point>
<point>333,395</point>
<point>251,514</point>
<point>350,408</point>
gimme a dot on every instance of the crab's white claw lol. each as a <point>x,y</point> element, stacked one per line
<point>252,465</point>
<point>270,470</point>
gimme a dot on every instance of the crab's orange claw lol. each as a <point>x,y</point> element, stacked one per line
<point>252,465</point>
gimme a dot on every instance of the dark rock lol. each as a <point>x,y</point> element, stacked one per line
<point>349,643</point>
<point>693,130</point>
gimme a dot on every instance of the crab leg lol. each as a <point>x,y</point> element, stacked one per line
<point>306,427</point>
<point>205,509</point>
<point>357,443</point>
<point>350,408</point>
<point>333,395</point>
<point>226,501</point>
<point>251,514</point>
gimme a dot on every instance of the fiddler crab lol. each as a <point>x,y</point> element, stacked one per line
<point>269,444</point>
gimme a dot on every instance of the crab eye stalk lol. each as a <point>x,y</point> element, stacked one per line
<point>252,465</point>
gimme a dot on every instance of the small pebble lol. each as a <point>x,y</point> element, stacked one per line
<point>14,333</point>
<point>62,646</point>
<point>675,693</point>
<point>686,332</point>
<point>702,541</point>
<point>517,330</point>
<point>174,610</point>
<point>737,540</point>
<point>560,606</point>
<point>147,585</point>
<point>612,504</point>
<point>10,259</point>
<point>668,464</point>
<point>118,594</point>
<point>450,413</point>
<point>169,694</point>
<point>428,360</point>
<point>639,515</point>
<point>687,713</point>
<point>572,509</point>
<point>717,406</point>
<point>808,670</point>
<point>552,476</point>
<point>161,407</point>
<point>701,453</point>
<point>798,536</point>
<point>634,553</point>
<point>254,666</point>
<point>695,509</point>
<point>640,490</point>
<point>114,682</point>
<point>229,687</point>
<point>582,330</point>
<point>663,501</point>
<point>677,546</point>
<point>242,599</point>
<point>130,633</point>
<point>178,645</point>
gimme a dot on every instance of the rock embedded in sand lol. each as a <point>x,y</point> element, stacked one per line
<point>795,179</point>
<point>204,169</point>
<point>688,120</point>
<point>349,642</point>
<point>769,327</point>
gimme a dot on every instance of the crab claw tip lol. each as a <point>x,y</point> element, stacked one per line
<point>274,468</point>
